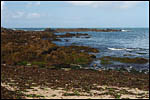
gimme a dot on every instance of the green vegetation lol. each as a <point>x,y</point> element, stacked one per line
<point>105,62</point>
<point>53,95</point>
<point>40,64</point>
<point>81,60</point>
<point>22,63</point>
<point>23,47</point>
<point>112,92</point>
<point>75,93</point>
<point>34,95</point>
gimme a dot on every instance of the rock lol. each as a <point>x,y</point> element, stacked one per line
<point>86,30</point>
<point>95,65</point>
<point>49,30</point>
<point>50,50</point>
<point>66,40</point>
<point>99,70</point>
<point>87,37</point>
<point>127,55</point>
<point>136,60</point>
<point>92,56</point>
<point>19,46</point>
<point>77,35</point>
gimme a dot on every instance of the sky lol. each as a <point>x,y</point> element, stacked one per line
<point>74,14</point>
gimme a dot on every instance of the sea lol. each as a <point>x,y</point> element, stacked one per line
<point>129,42</point>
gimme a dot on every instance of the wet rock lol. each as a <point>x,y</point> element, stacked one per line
<point>92,56</point>
<point>49,50</point>
<point>49,30</point>
<point>66,40</point>
<point>87,37</point>
<point>30,46</point>
<point>86,30</point>
<point>84,49</point>
<point>136,60</point>
<point>127,55</point>
<point>56,39</point>
<point>59,66</point>
<point>67,35</point>
<point>77,35</point>
<point>95,65</point>
<point>81,34</point>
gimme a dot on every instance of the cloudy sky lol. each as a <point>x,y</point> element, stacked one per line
<point>27,14</point>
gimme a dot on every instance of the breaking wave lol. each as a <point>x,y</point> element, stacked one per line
<point>125,30</point>
<point>120,49</point>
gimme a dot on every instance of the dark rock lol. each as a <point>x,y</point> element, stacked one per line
<point>49,50</point>
<point>136,60</point>
<point>7,94</point>
<point>49,30</point>
<point>66,40</point>
<point>87,37</point>
<point>92,56</point>
<point>86,30</point>
<point>59,66</point>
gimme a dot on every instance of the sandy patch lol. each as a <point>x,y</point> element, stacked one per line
<point>103,92</point>
<point>9,87</point>
<point>106,92</point>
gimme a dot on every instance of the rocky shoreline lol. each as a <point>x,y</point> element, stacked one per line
<point>31,59</point>
<point>86,30</point>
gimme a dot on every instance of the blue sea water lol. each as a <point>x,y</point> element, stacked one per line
<point>130,42</point>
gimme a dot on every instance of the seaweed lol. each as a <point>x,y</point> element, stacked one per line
<point>137,60</point>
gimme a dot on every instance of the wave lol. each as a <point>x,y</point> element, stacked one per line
<point>120,49</point>
<point>125,30</point>
<point>14,29</point>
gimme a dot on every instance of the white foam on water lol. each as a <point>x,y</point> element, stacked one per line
<point>120,49</point>
<point>14,29</point>
<point>125,30</point>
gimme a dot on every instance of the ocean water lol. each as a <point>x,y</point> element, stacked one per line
<point>130,42</point>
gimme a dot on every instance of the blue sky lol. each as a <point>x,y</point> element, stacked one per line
<point>73,14</point>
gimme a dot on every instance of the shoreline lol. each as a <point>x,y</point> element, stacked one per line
<point>86,30</point>
<point>51,50</point>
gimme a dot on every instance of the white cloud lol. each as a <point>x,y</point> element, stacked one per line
<point>116,4</point>
<point>18,14</point>
<point>33,15</point>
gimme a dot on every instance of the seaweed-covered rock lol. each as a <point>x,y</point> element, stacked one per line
<point>37,46</point>
<point>6,31</point>
<point>93,56</point>
<point>7,94</point>
<point>77,35</point>
<point>86,30</point>
<point>49,50</point>
<point>136,60</point>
